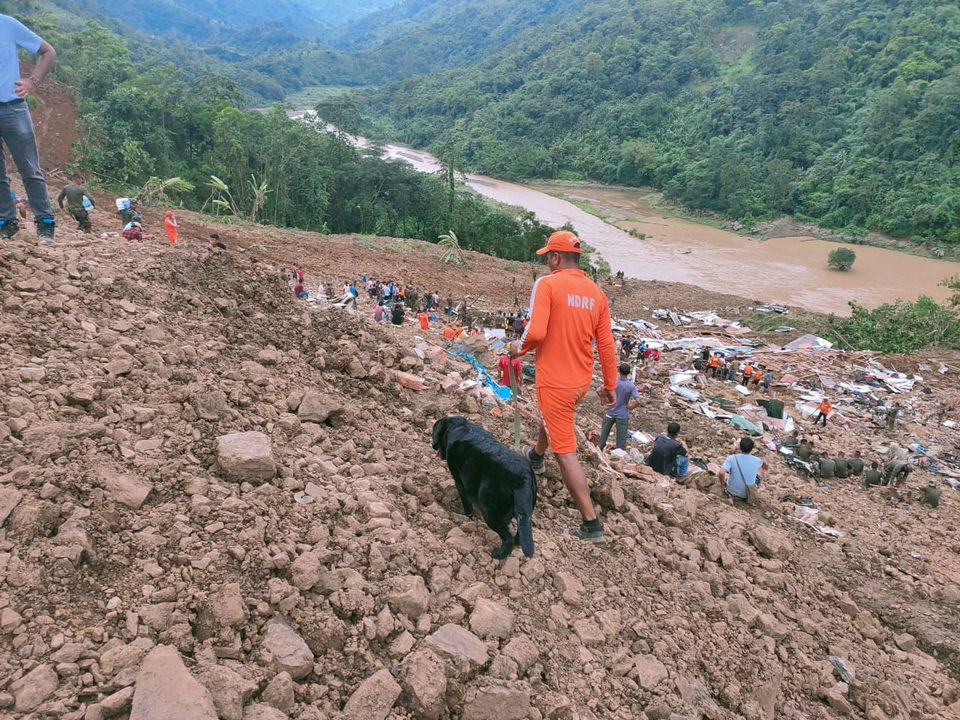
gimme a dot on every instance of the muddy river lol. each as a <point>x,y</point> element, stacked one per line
<point>789,270</point>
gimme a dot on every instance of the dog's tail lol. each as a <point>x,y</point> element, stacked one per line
<point>524,498</point>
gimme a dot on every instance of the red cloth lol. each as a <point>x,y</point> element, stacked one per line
<point>504,366</point>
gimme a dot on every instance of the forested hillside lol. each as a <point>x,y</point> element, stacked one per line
<point>845,113</point>
<point>145,119</point>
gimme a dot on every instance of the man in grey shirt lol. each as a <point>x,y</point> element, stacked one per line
<point>16,126</point>
<point>627,398</point>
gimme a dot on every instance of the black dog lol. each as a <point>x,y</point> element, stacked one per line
<point>496,479</point>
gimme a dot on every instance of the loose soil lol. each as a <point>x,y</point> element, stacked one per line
<point>287,582</point>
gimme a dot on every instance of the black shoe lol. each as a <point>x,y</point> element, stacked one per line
<point>45,228</point>
<point>8,228</point>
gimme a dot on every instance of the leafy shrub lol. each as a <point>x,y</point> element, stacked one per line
<point>841,258</point>
<point>897,327</point>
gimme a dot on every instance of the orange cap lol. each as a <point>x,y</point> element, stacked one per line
<point>561,241</point>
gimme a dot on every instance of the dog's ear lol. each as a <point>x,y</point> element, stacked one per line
<point>524,499</point>
<point>439,430</point>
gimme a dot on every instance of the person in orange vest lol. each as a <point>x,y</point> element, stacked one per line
<point>757,375</point>
<point>824,407</point>
<point>569,317</point>
<point>747,372</point>
<point>170,225</point>
<point>424,320</point>
<point>451,332</point>
<point>712,364</point>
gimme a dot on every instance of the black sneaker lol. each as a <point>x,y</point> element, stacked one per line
<point>538,466</point>
<point>45,228</point>
<point>588,534</point>
<point>8,228</point>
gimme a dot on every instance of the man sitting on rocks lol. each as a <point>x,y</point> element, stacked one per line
<point>742,471</point>
<point>842,467</point>
<point>872,477</point>
<point>792,440</point>
<point>856,464</point>
<point>828,467</point>
<point>669,456</point>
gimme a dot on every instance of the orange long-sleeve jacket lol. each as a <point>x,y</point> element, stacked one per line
<point>568,313</point>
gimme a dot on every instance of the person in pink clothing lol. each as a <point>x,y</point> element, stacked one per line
<point>170,225</point>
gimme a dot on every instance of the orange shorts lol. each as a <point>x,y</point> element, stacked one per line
<point>556,409</point>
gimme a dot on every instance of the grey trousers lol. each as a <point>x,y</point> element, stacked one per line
<point>621,431</point>
<point>16,132</point>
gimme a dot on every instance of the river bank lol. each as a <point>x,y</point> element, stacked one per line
<point>784,226</point>
<point>791,270</point>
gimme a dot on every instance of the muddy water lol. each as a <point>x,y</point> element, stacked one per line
<point>787,269</point>
<point>790,270</point>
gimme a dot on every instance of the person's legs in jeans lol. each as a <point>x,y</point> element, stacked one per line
<point>605,431</point>
<point>16,131</point>
<point>683,466</point>
<point>622,433</point>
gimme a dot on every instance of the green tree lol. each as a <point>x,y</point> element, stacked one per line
<point>841,258</point>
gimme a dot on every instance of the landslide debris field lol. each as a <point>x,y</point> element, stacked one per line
<point>218,502</point>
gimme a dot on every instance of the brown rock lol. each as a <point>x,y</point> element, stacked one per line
<point>771,543</point>
<point>650,671</point>
<point>279,693</point>
<point>260,711</point>
<point>165,689</point>
<point>229,690</point>
<point>246,456</point>
<point>409,596</point>
<point>502,703</point>
<point>374,698</point>
<point>320,408</point>
<point>523,652</point>
<point>284,650</point>
<point>490,619</point>
<point>9,499</point>
<point>424,684</point>
<point>459,644</point>
<point>125,488</point>
<point>34,687</point>
<point>305,571</point>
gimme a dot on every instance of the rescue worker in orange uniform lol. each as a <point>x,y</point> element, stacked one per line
<point>824,407</point>
<point>568,313</point>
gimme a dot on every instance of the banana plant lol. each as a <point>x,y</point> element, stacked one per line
<point>453,253</point>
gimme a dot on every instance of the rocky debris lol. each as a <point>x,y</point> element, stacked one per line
<point>650,671</point>
<point>424,684</point>
<point>319,408</point>
<point>503,703</point>
<point>261,711</point>
<point>374,698</point>
<point>342,550</point>
<point>166,689</point>
<point>306,570</point>
<point>460,645</point>
<point>9,499</point>
<point>771,543</point>
<point>229,690</point>
<point>523,651</point>
<point>34,687</point>
<point>279,693</point>
<point>491,619</point>
<point>125,488</point>
<point>246,456</point>
<point>283,650</point>
<point>408,595</point>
